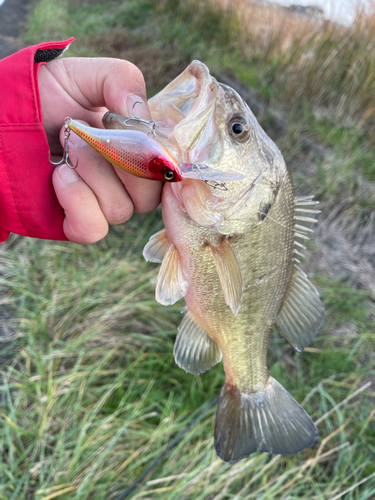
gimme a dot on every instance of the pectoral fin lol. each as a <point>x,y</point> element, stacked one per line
<point>194,349</point>
<point>172,284</point>
<point>302,312</point>
<point>156,247</point>
<point>229,273</point>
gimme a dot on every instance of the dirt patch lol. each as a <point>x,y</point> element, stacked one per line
<point>13,15</point>
<point>345,249</point>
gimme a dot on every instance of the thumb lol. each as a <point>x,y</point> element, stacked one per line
<point>136,106</point>
<point>123,86</point>
<point>106,82</point>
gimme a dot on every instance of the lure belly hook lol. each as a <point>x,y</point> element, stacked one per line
<point>65,159</point>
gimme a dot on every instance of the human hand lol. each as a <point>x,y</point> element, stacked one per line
<point>96,193</point>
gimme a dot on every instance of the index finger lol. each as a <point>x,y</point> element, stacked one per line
<point>93,85</point>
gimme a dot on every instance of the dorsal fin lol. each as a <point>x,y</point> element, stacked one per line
<point>156,247</point>
<point>302,312</point>
<point>305,218</point>
<point>171,284</point>
<point>229,273</point>
<point>194,349</point>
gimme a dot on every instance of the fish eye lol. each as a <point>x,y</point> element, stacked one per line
<point>169,175</point>
<point>238,128</point>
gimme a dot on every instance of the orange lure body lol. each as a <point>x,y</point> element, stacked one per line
<point>131,150</point>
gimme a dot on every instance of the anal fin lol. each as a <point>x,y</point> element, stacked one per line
<point>229,273</point>
<point>156,247</point>
<point>171,284</point>
<point>194,350</point>
<point>269,420</point>
<point>302,312</point>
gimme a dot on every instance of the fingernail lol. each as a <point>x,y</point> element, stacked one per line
<point>67,174</point>
<point>137,107</point>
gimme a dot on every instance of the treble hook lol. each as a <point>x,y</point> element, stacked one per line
<point>65,158</point>
<point>149,123</point>
<point>214,184</point>
<point>217,185</point>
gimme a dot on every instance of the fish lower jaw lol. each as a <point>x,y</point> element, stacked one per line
<point>203,219</point>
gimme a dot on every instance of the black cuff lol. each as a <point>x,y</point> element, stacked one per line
<point>47,55</point>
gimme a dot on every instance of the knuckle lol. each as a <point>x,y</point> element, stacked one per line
<point>131,73</point>
<point>119,212</point>
<point>134,72</point>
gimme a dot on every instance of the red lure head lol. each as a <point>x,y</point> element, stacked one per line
<point>164,170</point>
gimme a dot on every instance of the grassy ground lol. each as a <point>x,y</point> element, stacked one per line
<point>92,394</point>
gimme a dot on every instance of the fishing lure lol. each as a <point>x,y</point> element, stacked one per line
<point>140,154</point>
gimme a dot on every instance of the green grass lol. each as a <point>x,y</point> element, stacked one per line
<point>92,395</point>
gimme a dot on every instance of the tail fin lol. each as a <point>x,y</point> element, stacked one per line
<point>270,420</point>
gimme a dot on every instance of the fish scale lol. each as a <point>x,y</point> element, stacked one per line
<point>245,358</point>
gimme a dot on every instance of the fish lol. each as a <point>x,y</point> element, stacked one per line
<point>137,152</point>
<point>232,254</point>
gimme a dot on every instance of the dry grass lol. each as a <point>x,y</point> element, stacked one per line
<point>328,64</point>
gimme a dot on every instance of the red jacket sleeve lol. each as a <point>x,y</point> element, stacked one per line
<point>28,205</point>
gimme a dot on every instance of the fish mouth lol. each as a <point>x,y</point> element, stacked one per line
<point>187,126</point>
<point>184,109</point>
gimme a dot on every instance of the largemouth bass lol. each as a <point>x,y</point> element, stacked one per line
<point>230,250</point>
